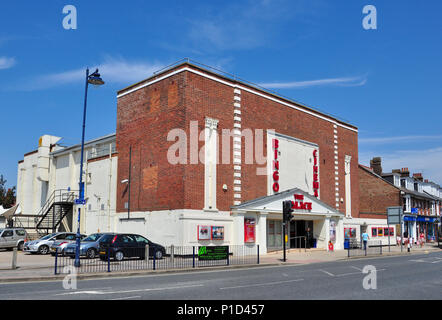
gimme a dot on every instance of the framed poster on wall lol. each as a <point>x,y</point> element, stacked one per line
<point>391,231</point>
<point>217,233</point>
<point>204,233</point>
<point>374,232</point>
<point>380,232</point>
<point>249,230</point>
<point>332,230</point>
<point>386,232</point>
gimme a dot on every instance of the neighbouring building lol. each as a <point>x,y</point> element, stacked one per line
<point>211,159</point>
<point>421,201</point>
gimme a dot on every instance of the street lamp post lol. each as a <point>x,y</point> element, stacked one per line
<point>94,79</point>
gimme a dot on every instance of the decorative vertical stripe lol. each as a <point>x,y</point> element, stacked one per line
<point>335,147</point>
<point>237,146</point>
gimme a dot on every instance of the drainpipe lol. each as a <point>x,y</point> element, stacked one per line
<point>110,185</point>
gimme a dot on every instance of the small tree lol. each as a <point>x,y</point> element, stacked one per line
<point>7,196</point>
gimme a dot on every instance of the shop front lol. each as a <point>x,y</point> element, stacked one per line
<point>313,222</point>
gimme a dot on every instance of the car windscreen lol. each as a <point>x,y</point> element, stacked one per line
<point>48,236</point>
<point>93,237</point>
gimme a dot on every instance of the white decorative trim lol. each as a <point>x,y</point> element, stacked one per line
<point>236,181</point>
<point>237,98</point>
<point>236,118</point>
<point>237,86</point>
<point>236,111</point>
<point>237,105</point>
<point>236,203</point>
<point>237,189</point>
<point>237,125</point>
<point>236,91</point>
<point>237,168</point>
<point>237,139</point>
<point>237,195</point>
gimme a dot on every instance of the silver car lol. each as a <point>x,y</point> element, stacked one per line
<point>43,244</point>
<point>88,246</point>
<point>12,237</point>
<point>60,244</point>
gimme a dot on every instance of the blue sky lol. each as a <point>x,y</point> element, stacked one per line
<point>386,81</point>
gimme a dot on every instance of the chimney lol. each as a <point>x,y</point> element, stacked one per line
<point>396,171</point>
<point>418,176</point>
<point>405,172</point>
<point>426,180</point>
<point>375,164</point>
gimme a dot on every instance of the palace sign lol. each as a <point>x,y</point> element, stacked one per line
<point>315,174</point>
<point>299,203</point>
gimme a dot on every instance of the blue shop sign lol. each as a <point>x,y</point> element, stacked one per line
<point>414,210</point>
<point>408,218</point>
<point>425,219</point>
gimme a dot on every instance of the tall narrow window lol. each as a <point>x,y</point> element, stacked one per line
<point>347,186</point>
<point>210,157</point>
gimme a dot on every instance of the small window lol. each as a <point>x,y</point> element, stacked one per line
<point>126,239</point>
<point>60,237</point>
<point>70,237</point>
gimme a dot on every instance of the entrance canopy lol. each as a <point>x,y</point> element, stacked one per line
<point>304,205</point>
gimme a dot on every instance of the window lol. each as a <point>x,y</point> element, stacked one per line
<point>141,239</point>
<point>7,233</point>
<point>70,237</point>
<point>20,232</point>
<point>126,239</point>
<point>60,237</point>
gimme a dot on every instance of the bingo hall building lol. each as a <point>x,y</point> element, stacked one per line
<point>212,159</point>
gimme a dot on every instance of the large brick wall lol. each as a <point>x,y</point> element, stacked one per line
<point>145,116</point>
<point>377,194</point>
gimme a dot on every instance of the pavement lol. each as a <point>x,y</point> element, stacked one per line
<point>40,268</point>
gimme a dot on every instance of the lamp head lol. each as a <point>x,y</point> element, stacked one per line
<point>95,79</point>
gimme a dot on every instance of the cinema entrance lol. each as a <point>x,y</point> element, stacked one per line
<point>301,234</point>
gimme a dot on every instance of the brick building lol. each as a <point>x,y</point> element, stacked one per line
<point>378,194</point>
<point>205,145</point>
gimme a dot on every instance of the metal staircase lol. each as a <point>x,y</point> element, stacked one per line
<point>56,208</point>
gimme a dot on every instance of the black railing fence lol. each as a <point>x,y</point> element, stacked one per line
<point>359,248</point>
<point>173,257</point>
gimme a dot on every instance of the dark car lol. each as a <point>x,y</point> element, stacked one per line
<point>125,245</point>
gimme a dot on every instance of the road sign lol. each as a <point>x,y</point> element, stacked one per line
<point>80,201</point>
<point>394,215</point>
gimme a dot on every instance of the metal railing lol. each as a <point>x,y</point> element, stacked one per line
<point>172,258</point>
<point>300,243</point>
<point>359,248</point>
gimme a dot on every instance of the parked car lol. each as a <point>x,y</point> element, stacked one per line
<point>88,246</point>
<point>12,237</point>
<point>43,244</point>
<point>120,246</point>
<point>60,244</point>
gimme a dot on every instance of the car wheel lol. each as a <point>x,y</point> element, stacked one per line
<point>20,246</point>
<point>43,249</point>
<point>119,256</point>
<point>159,254</point>
<point>91,253</point>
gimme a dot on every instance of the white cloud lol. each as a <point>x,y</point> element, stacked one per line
<point>345,81</point>
<point>6,63</point>
<point>428,161</point>
<point>112,70</point>
<point>386,140</point>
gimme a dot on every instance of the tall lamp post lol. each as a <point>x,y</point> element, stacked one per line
<point>94,79</point>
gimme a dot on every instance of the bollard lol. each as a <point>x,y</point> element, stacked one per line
<point>56,258</point>
<point>258,253</point>
<point>172,255</point>
<point>108,259</point>
<point>154,257</point>
<point>193,257</point>
<point>146,254</point>
<point>14,258</point>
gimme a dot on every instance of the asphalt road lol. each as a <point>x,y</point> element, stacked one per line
<point>397,277</point>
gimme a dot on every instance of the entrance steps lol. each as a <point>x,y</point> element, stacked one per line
<point>297,250</point>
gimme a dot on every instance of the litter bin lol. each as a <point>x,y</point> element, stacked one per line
<point>314,243</point>
<point>347,244</point>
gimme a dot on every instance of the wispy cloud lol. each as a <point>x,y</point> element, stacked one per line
<point>344,81</point>
<point>7,62</point>
<point>244,25</point>
<point>386,140</point>
<point>427,161</point>
<point>113,70</point>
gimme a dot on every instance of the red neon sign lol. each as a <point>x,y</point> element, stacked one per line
<point>299,203</point>
<point>315,174</point>
<point>275,166</point>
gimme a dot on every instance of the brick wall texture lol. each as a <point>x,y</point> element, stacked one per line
<point>145,116</point>
<point>377,195</point>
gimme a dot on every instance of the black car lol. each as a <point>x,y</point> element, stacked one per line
<point>126,245</point>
